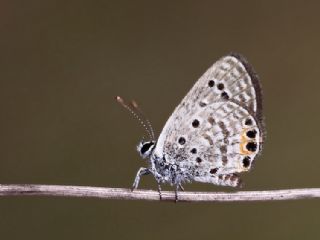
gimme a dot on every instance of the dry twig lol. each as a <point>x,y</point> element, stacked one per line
<point>127,194</point>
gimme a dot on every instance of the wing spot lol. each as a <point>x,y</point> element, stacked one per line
<point>248,122</point>
<point>202,104</point>
<point>251,146</point>
<point>211,120</point>
<point>251,134</point>
<point>211,83</point>
<point>199,160</point>
<point>181,140</point>
<point>225,95</point>
<point>193,151</point>
<point>223,149</point>
<point>224,160</point>
<point>220,86</point>
<point>246,162</point>
<point>208,138</point>
<point>195,123</point>
<point>237,181</point>
<point>214,170</point>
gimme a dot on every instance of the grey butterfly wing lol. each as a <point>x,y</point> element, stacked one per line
<point>217,130</point>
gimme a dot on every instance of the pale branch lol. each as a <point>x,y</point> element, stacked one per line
<point>127,194</point>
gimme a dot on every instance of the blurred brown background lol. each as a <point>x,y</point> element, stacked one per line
<point>62,62</point>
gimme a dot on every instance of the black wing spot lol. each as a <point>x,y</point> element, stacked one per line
<point>193,151</point>
<point>211,83</point>
<point>225,95</point>
<point>220,86</point>
<point>252,133</point>
<point>181,140</point>
<point>213,170</point>
<point>251,146</point>
<point>248,122</point>
<point>246,162</point>
<point>195,123</point>
<point>199,160</point>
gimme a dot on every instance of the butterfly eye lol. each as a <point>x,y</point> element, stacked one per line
<point>211,83</point>
<point>246,162</point>
<point>145,147</point>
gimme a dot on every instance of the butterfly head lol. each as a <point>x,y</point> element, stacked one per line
<point>145,148</point>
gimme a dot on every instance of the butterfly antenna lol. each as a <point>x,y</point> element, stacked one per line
<point>136,116</point>
<point>135,105</point>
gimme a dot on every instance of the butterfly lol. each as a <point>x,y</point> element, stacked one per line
<point>214,134</point>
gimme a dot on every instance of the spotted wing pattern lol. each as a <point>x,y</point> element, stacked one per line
<point>217,129</point>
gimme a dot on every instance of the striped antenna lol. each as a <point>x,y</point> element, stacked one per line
<point>137,115</point>
<point>135,105</point>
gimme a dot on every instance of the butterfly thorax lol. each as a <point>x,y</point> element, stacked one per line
<point>163,170</point>
<point>167,171</point>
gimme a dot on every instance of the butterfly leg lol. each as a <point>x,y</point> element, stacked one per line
<point>176,198</point>
<point>142,171</point>
<point>159,190</point>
